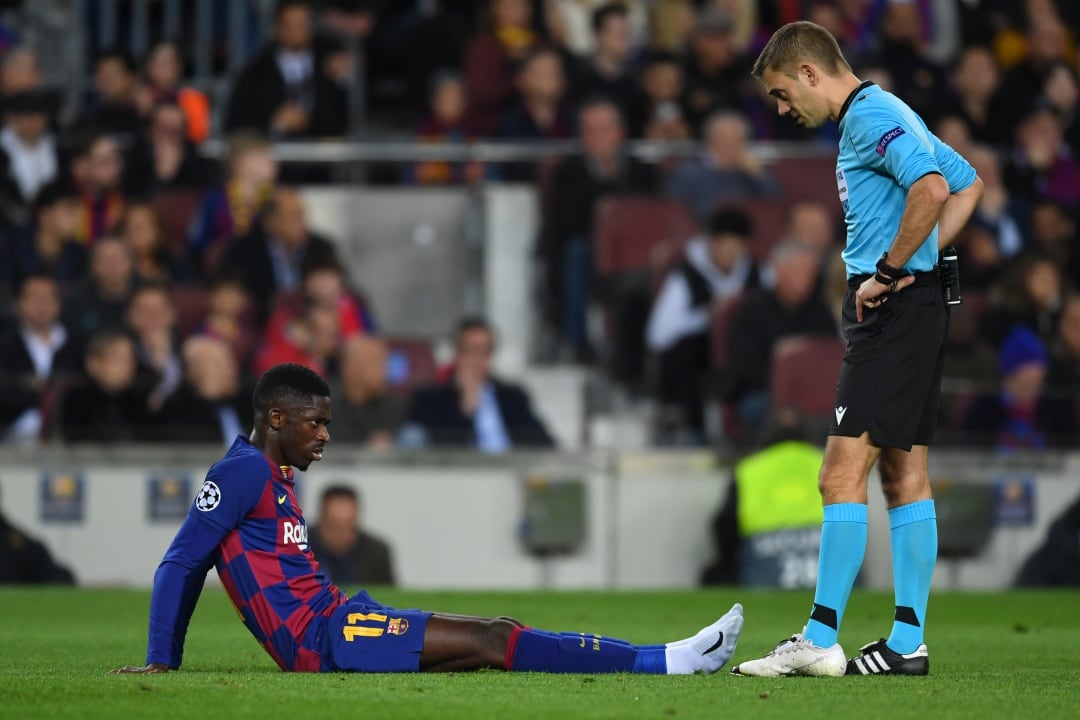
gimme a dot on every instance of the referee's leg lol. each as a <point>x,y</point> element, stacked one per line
<point>844,474</point>
<point>905,480</point>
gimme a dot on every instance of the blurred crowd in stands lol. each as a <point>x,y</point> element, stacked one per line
<point>144,286</point>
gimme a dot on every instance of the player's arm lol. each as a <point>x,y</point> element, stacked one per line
<point>230,492</point>
<point>178,583</point>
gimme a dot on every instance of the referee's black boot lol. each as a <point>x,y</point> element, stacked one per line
<point>877,659</point>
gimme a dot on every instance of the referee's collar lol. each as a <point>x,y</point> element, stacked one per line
<point>851,98</point>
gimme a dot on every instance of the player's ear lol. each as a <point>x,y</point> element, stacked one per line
<point>809,73</point>
<point>275,418</point>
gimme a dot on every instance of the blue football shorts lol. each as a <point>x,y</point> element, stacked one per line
<point>365,636</point>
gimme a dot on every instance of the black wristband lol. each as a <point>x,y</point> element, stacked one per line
<point>885,280</point>
<point>884,269</point>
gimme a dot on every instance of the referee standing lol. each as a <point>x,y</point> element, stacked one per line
<point>905,195</point>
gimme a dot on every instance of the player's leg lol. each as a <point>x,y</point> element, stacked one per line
<point>913,531</point>
<point>464,643</point>
<point>842,482</point>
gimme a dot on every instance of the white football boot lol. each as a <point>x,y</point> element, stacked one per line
<point>796,656</point>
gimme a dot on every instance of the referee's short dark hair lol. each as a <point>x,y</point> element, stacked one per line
<point>730,220</point>
<point>287,384</point>
<point>799,42</point>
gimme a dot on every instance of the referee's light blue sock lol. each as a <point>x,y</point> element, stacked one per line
<point>914,535</point>
<point>843,544</point>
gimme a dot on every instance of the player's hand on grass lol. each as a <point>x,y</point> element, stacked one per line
<point>151,669</point>
<point>872,294</point>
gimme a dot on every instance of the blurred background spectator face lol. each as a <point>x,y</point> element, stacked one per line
<point>143,232</point>
<point>1043,284</point>
<point>811,224</point>
<point>211,368</point>
<point>796,268</point>
<point>1047,38</point>
<point>287,220</point>
<point>976,76</point>
<point>115,79</point>
<point>163,66</point>
<point>322,329</point>
<point>19,71</point>
<point>29,125</point>
<point>902,25</point>
<point>38,305</point>
<point>227,298</point>
<point>602,131</point>
<point>613,38</point>
<point>541,79</point>
<point>712,40</point>
<point>828,15</point>
<point>292,28</point>
<point>1053,230</point>
<point>151,313</point>
<point>110,265</point>
<point>102,166</point>
<point>511,13</point>
<point>727,248</point>
<point>251,162</point>
<point>111,363</point>
<point>1060,88</point>
<point>1039,136</point>
<point>726,135</point>
<point>325,285</point>
<point>167,124</point>
<point>338,522</point>
<point>663,80</point>
<point>475,351</point>
<point>953,131</point>
<point>1069,327</point>
<point>60,217</point>
<point>448,102</point>
<point>363,368</point>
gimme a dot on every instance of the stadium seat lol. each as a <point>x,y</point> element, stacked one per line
<point>639,233</point>
<point>176,208</point>
<point>808,179</point>
<point>718,350</point>
<point>769,218</point>
<point>804,373</point>
<point>411,363</point>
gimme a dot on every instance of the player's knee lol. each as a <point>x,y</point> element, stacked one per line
<point>497,632</point>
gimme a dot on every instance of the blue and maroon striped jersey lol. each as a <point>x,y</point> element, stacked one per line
<point>246,521</point>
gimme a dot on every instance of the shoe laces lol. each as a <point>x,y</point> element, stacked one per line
<point>791,644</point>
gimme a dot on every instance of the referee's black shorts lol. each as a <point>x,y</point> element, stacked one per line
<point>890,379</point>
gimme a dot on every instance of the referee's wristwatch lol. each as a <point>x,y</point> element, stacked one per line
<point>886,274</point>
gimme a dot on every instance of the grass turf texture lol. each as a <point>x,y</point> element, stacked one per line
<point>992,656</point>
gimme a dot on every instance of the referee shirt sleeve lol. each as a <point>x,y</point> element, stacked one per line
<point>957,171</point>
<point>888,144</point>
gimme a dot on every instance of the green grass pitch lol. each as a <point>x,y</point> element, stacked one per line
<point>1008,655</point>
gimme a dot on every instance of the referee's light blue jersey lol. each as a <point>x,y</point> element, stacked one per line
<point>884,148</point>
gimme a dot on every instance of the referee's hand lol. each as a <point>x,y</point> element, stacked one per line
<point>872,294</point>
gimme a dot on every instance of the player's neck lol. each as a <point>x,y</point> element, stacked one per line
<point>839,91</point>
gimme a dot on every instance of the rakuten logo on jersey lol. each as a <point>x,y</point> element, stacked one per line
<point>292,533</point>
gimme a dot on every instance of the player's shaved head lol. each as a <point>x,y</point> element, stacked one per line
<point>287,385</point>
